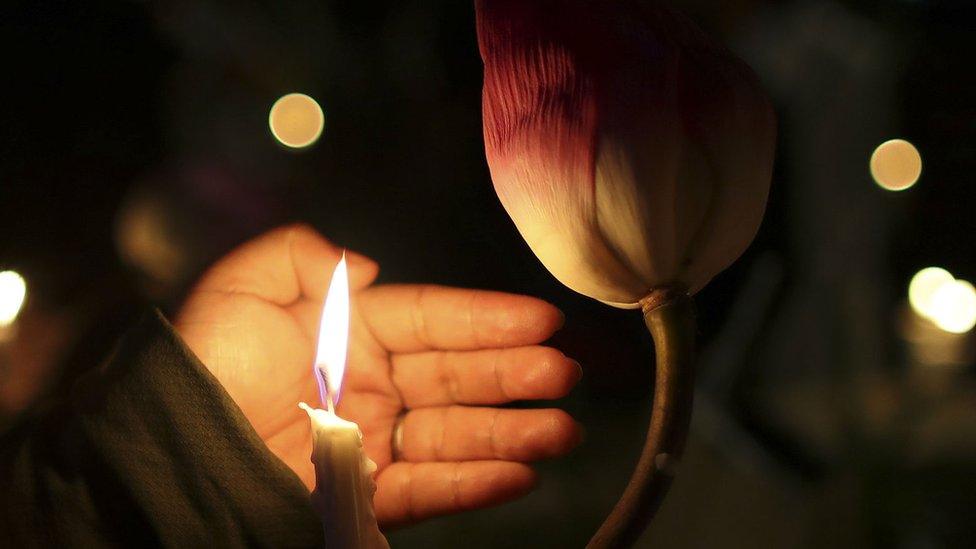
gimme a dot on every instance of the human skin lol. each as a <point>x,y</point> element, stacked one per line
<point>448,355</point>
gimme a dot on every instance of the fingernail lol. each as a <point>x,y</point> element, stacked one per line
<point>579,369</point>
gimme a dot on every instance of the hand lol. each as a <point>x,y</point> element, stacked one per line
<point>444,354</point>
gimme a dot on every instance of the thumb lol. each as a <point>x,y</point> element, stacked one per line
<point>286,264</point>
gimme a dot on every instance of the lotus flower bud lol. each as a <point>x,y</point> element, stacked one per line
<point>631,151</point>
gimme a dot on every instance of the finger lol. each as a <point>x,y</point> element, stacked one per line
<point>409,492</point>
<point>491,376</point>
<point>459,433</point>
<point>285,264</point>
<point>411,318</point>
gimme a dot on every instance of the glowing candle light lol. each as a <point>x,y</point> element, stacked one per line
<point>344,486</point>
<point>296,120</point>
<point>13,293</point>
<point>896,165</point>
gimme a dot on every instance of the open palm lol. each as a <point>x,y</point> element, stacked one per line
<point>441,354</point>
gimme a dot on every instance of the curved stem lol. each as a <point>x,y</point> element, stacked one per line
<point>672,326</point>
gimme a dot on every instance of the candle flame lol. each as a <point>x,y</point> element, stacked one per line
<point>330,358</point>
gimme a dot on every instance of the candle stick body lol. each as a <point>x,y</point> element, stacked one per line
<point>344,485</point>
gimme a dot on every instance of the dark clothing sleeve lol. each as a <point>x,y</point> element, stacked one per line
<point>149,451</point>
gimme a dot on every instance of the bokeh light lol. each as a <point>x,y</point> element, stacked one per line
<point>953,307</point>
<point>924,285</point>
<point>13,291</point>
<point>896,165</point>
<point>146,235</point>
<point>296,120</point>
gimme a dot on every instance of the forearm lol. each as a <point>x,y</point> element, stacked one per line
<point>150,449</point>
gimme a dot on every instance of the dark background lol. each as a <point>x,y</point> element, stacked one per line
<point>134,150</point>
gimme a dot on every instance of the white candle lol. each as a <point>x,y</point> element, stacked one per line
<point>344,485</point>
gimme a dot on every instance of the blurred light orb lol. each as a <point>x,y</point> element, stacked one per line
<point>296,120</point>
<point>13,291</point>
<point>924,285</point>
<point>954,307</point>
<point>146,236</point>
<point>896,165</point>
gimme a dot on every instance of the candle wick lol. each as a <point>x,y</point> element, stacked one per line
<point>322,383</point>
